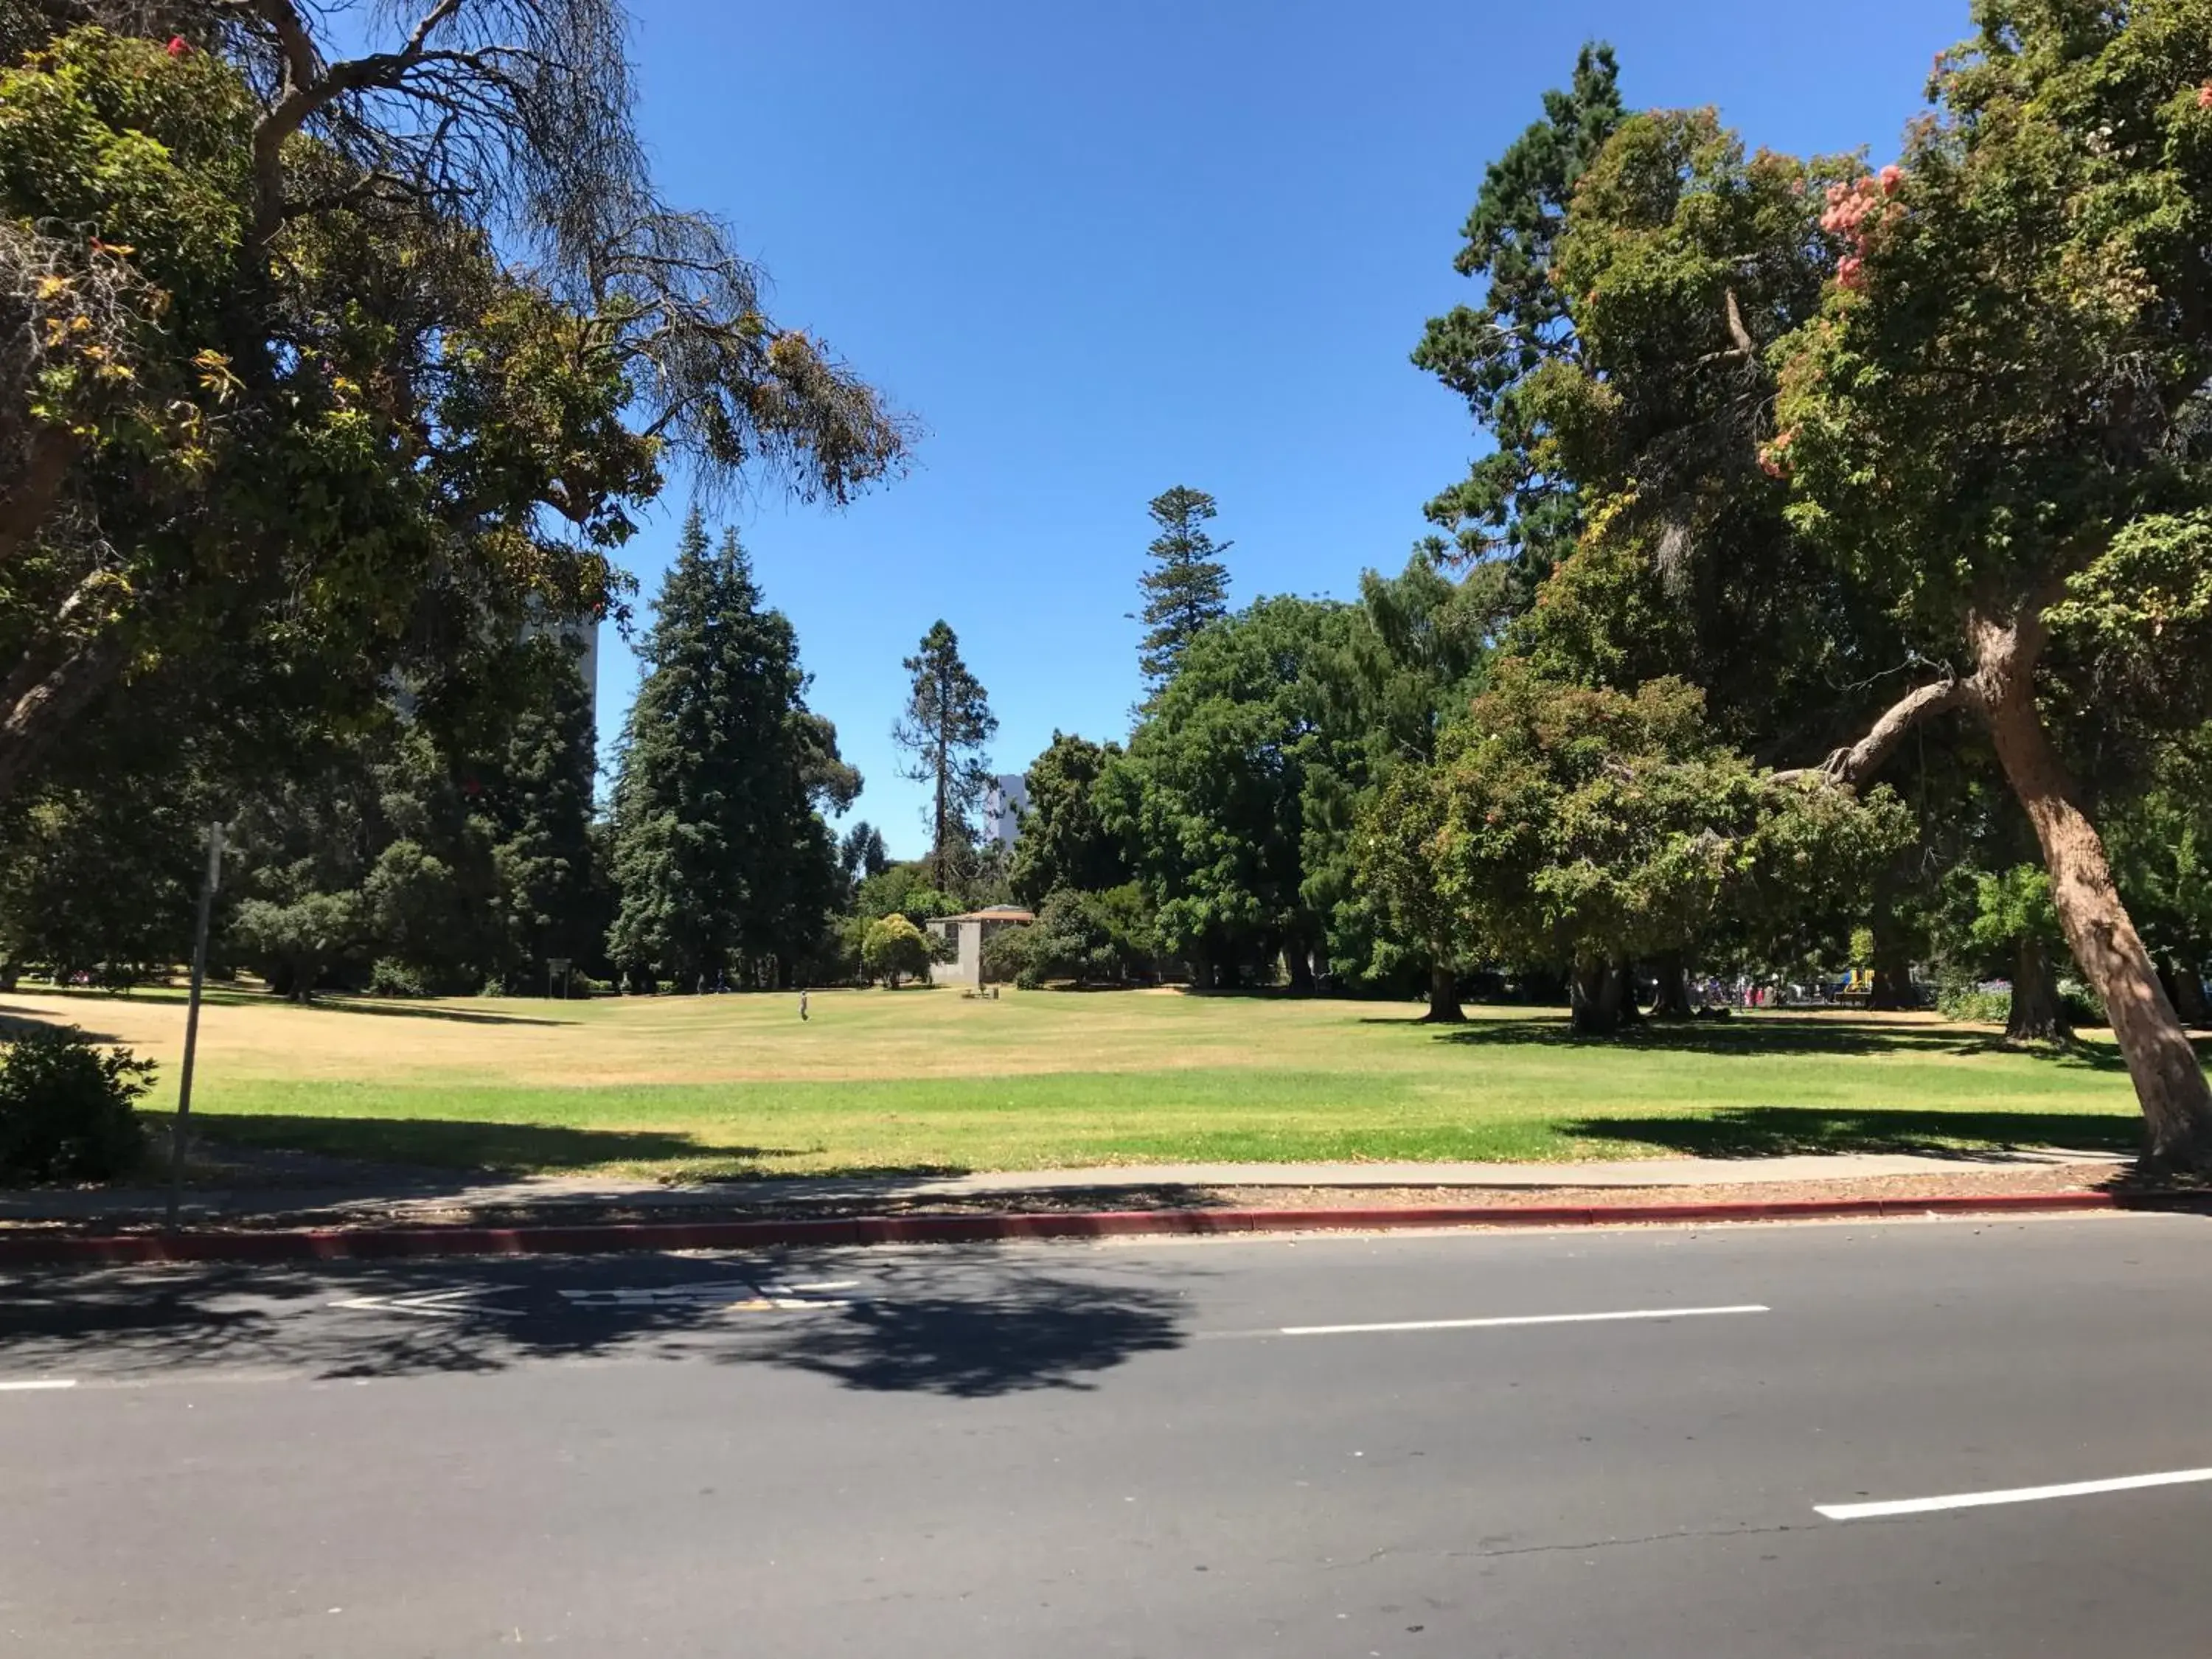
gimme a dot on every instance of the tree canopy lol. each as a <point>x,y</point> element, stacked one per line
<point>1515,505</point>
<point>1589,829</point>
<point>321,367</point>
<point>1064,840</point>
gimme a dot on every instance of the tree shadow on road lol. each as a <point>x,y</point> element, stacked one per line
<point>965,1325</point>
<point>1032,1332</point>
<point>1779,1131</point>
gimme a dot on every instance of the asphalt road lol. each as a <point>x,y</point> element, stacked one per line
<point>1120,1450</point>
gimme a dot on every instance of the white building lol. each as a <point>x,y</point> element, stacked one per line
<point>969,930</point>
<point>1004,803</point>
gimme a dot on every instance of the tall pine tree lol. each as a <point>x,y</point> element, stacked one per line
<point>948,720</point>
<point>542,797</point>
<point>1187,589</point>
<point>725,867</point>
<point>1513,505</point>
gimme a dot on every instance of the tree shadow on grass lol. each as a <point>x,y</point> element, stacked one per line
<point>455,1144</point>
<point>347,1005</point>
<point>962,1324</point>
<point>1767,1036</point>
<point>16,1022</point>
<point>1779,1131</point>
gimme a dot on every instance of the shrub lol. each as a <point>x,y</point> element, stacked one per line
<point>1970,1005</point>
<point>66,1106</point>
<point>1093,938</point>
<point>895,947</point>
<point>393,978</point>
<point>2083,1005</point>
<point>1008,954</point>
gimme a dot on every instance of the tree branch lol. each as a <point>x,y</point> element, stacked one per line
<point>1745,348</point>
<point>308,87</point>
<point>1853,766</point>
<point>35,719</point>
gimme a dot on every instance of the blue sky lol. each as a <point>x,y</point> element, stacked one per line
<point>1099,250</point>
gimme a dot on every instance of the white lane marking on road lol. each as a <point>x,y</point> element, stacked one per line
<point>1975,1500</point>
<point>1522,1319</point>
<point>741,1294</point>
<point>431,1304</point>
<point>30,1383</point>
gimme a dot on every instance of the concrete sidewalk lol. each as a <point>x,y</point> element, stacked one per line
<point>419,1191</point>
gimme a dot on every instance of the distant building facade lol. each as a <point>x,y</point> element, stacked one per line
<point>1004,803</point>
<point>582,635</point>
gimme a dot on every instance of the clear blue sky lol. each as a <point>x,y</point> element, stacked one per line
<point>1099,250</point>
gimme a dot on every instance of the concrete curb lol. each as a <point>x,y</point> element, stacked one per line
<point>387,1244</point>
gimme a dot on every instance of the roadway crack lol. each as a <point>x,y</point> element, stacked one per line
<point>1625,1543</point>
<point>1368,1560</point>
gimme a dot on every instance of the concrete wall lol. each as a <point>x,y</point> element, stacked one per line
<point>968,968</point>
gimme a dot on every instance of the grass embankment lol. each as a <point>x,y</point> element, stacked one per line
<point>925,1079</point>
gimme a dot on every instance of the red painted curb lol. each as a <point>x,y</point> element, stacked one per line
<point>384,1243</point>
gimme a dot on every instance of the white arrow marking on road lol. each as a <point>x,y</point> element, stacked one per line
<point>1974,1500</point>
<point>36,1383</point>
<point>1523,1319</point>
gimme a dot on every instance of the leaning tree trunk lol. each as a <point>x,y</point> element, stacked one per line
<point>1443,994</point>
<point>1597,999</point>
<point>1672,1000</point>
<point>2037,1014</point>
<point>2170,1084</point>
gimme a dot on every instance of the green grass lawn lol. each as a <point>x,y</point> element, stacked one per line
<point>928,1081</point>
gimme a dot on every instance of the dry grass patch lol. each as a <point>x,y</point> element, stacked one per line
<point>929,1079</point>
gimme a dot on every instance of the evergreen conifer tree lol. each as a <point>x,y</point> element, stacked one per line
<point>544,804</point>
<point>1190,587</point>
<point>723,862</point>
<point>948,720</point>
